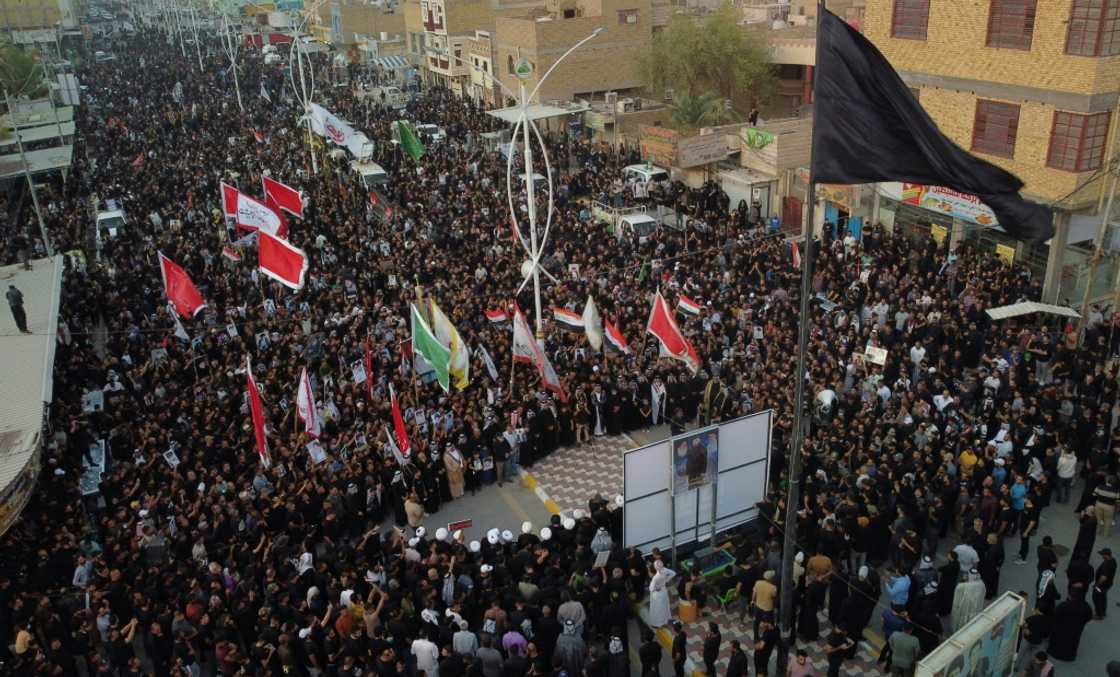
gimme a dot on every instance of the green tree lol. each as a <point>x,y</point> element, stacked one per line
<point>712,54</point>
<point>19,74</point>
<point>693,112</point>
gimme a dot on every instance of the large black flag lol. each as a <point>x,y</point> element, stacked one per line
<point>868,127</point>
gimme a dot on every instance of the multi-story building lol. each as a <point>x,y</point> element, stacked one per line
<point>28,14</point>
<point>607,63</point>
<point>1030,86</point>
<point>347,23</point>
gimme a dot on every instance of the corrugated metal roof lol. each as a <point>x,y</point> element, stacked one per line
<point>27,362</point>
<point>1028,307</point>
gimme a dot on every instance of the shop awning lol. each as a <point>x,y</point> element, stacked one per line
<point>41,133</point>
<point>391,63</point>
<point>537,111</point>
<point>1028,307</point>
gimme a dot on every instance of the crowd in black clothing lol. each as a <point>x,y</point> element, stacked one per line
<point>216,563</point>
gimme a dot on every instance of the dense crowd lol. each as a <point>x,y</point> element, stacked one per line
<point>191,556</point>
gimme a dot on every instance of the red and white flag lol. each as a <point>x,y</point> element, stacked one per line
<point>673,343</point>
<point>796,256</point>
<point>257,413</point>
<point>231,253</point>
<point>526,349</point>
<point>180,291</point>
<point>568,317</point>
<point>615,337</point>
<point>250,214</point>
<point>369,370</point>
<point>688,305</point>
<point>305,405</point>
<point>281,260</point>
<point>497,316</point>
<point>258,136</point>
<point>286,197</point>
<point>402,448</point>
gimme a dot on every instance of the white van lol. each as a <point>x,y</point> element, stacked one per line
<point>645,172</point>
<point>372,174</point>
<point>639,226</point>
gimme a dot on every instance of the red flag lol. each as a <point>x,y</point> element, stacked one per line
<point>286,197</point>
<point>369,371</point>
<point>258,414</point>
<point>250,214</point>
<point>496,316</point>
<point>796,256</point>
<point>179,289</point>
<point>673,343</point>
<point>258,136</point>
<point>282,261</point>
<point>274,206</point>
<point>231,253</point>
<point>615,337</point>
<point>399,431</point>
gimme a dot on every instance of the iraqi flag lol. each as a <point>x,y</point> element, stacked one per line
<point>305,405</point>
<point>257,412</point>
<point>526,349</point>
<point>796,256</point>
<point>281,260</point>
<point>285,197</point>
<point>180,291</point>
<point>673,343</point>
<point>688,305</point>
<point>497,316</point>
<point>249,213</point>
<point>615,338</point>
<point>231,253</point>
<point>568,317</point>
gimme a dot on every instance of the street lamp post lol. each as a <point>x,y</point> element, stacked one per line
<point>305,91</point>
<point>534,247</point>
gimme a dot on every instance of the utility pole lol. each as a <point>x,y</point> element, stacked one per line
<point>1098,252</point>
<point>27,173</point>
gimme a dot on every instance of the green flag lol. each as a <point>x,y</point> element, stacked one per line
<point>425,344</point>
<point>409,143</point>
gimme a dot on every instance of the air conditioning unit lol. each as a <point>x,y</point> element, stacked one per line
<point>631,18</point>
<point>612,98</point>
<point>669,94</point>
<point>638,103</point>
<point>624,105</point>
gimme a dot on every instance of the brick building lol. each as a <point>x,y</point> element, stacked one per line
<point>1032,87</point>
<point>607,63</point>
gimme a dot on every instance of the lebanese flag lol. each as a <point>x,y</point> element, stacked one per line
<point>497,316</point>
<point>180,291</point>
<point>305,405</point>
<point>796,256</point>
<point>258,414</point>
<point>673,343</point>
<point>688,305</point>
<point>400,433</point>
<point>281,260</point>
<point>250,214</point>
<point>568,317</point>
<point>231,253</point>
<point>615,337</point>
<point>286,197</point>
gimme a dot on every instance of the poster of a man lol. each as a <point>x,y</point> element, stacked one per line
<point>695,460</point>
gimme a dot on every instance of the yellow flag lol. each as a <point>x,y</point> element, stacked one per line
<point>460,354</point>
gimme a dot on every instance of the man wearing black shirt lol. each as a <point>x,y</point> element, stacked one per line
<point>737,665</point>
<point>1106,574</point>
<point>767,638</point>
<point>650,654</point>
<point>837,647</point>
<point>1047,558</point>
<point>1027,526</point>
<point>680,649</point>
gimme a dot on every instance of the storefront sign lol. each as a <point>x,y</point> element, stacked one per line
<point>844,197</point>
<point>701,150</point>
<point>658,145</point>
<point>942,200</point>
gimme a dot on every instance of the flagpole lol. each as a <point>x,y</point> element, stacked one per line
<point>793,474</point>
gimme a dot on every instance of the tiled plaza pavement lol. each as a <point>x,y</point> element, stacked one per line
<point>571,475</point>
<point>730,627</point>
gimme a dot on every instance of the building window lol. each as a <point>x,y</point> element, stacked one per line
<point>910,19</point>
<point>1077,141</point>
<point>1094,28</point>
<point>627,16</point>
<point>509,64</point>
<point>995,128</point>
<point>1011,24</point>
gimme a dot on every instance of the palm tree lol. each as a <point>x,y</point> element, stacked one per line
<point>691,112</point>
